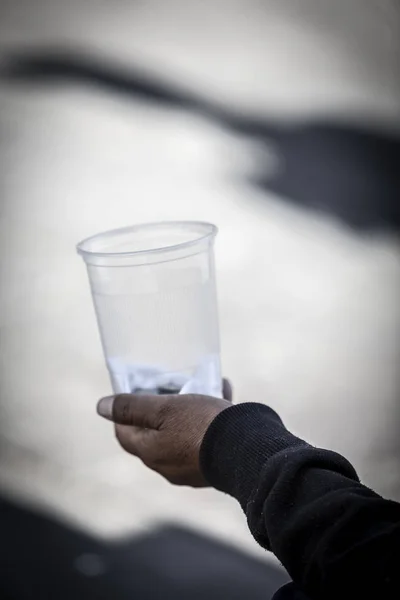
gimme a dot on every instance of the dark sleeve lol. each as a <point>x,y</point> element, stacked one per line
<point>336,538</point>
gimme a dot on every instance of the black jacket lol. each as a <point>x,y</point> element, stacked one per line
<point>336,538</point>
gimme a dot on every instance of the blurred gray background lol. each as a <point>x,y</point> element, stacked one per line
<point>309,307</point>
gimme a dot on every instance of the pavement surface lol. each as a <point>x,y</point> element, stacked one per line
<point>309,310</point>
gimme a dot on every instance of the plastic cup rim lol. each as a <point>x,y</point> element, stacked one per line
<point>210,229</point>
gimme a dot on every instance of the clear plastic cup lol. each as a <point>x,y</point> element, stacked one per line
<point>154,293</point>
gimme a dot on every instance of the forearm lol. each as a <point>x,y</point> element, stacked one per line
<point>304,504</point>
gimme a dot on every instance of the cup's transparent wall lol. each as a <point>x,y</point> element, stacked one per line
<point>157,310</point>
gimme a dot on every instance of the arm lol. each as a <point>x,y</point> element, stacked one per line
<point>334,536</point>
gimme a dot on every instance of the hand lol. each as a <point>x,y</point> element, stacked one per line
<point>165,432</point>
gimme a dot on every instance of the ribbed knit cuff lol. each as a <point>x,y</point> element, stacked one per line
<point>237,445</point>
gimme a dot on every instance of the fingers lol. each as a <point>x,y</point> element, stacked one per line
<point>142,410</point>
<point>227,391</point>
<point>127,409</point>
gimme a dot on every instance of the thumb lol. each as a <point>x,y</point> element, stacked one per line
<point>129,409</point>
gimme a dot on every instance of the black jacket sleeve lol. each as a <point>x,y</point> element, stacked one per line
<point>336,538</point>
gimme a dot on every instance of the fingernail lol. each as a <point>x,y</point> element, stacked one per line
<point>105,407</point>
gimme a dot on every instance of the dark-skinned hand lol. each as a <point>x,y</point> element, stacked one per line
<point>165,431</point>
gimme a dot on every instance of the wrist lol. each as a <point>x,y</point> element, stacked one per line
<point>238,443</point>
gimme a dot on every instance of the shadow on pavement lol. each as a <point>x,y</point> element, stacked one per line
<point>44,559</point>
<point>347,171</point>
